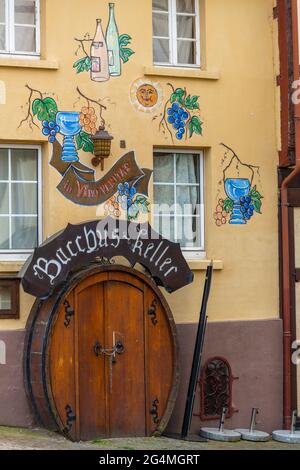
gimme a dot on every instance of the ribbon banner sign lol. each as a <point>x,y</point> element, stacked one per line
<point>83,244</point>
<point>78,182</point>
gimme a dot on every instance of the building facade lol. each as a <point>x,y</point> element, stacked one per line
<point>190,87</point>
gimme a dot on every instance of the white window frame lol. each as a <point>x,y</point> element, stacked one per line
<point>191,253</point>
<point>10,32</point>
<point>20,255</point>
<point>172,14</point>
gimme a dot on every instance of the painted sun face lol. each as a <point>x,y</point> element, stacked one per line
<point>146,96</point>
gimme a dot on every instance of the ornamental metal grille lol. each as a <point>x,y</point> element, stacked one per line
<point>216,389</point>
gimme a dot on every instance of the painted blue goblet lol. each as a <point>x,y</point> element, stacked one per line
<point>69,127</point>
<point>235,189</point>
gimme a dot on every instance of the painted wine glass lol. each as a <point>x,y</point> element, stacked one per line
<point>235,189</point>
<point>69,127</point>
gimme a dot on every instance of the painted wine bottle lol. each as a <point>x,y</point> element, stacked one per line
<point>99,56</point>
<point>112,41</point>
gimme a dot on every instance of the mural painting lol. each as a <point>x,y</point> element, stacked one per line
<point>146,95</point>
<point>106,53</point>
<point>239,197</point>
<point>124,186</point>
<point>181,115</point>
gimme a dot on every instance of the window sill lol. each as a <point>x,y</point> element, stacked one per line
<point>29,63</point>
<point>201,265</point>
<point>11,266</point>
<point>181,72</point>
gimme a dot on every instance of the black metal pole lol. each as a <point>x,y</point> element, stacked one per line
<point>188,413</point>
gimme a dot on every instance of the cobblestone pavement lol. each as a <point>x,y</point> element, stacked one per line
<point>38,439</point>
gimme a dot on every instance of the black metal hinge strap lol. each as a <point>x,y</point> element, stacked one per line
<point>154,411</point>
<point>69,312</point>
<point>152,312</point>
<point>70,418</point>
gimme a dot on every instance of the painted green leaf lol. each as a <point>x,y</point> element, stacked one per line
<point>45,109</point>
<point>84,142</point>
<point>192,102</point>
<point>191,129</point>
<point>257,205</point>
<point>125,54</point>
<point>177,96</point>
<point>124,40</point>
<point>228,205</point>
<point>197,125</point>
<point>83,65</point>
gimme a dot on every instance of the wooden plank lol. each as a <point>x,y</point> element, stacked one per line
<point>124,322</point>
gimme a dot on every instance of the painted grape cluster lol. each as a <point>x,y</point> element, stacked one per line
<point>220,214</point>
<point>112,207</point>
<point>128,200</point>
<point>88,120</point>
<point>247,208</point>
<point>50,129</point>
<point>177,116</point>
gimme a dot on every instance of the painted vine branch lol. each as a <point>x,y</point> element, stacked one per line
<point>236,157</point>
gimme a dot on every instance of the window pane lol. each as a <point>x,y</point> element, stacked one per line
<point>188,233</point>
<point>165,226</point>
<point>4,204</point>
<point>24,165</point>
<point>2,11</point>
<point>5,298</point>
<point>187,197</point>
<point>186,52</point>
<point>24,232</point>
<point>164,196</point>
<point>163,168</point>
<point>160,25</point>
<point>24,12</point>
<point>187,168</point>
<point>4,164</point>
<point>186,6</point>
<point>2,37</point>
<point>24,198</point>
<point>186,27</point>
<point>161,5</point>
<point>4,233</point>
<point>25,39</point>
<point>161,50</point>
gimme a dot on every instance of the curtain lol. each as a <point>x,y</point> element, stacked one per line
<point>24,198</point>
<point>187,197</point>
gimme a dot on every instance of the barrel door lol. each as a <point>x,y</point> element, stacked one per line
<point>110,357</point>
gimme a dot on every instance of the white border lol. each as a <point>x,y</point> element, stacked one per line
<point>20,255</point>
<point>191,253</point>
<point>172,14</point>
<point>10,32</point>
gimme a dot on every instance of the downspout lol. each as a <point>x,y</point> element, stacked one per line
<point>286,261</point>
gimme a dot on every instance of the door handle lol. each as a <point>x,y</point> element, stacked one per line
<point>118,348</point>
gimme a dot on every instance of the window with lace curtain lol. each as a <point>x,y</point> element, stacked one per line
<point>20,201</point>
<point>176,32</point>
<point>178,209</point>
<point>20,27</point>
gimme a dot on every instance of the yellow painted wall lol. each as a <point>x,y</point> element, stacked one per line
<point>239,107</point>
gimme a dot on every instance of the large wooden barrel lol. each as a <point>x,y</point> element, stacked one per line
<point>101,356</point>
